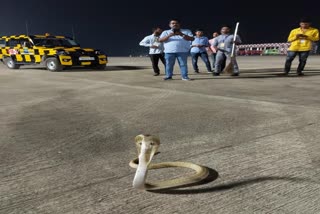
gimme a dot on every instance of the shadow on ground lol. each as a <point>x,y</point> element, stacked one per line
<point>260,74</point>
<point>86,69</point>
<point>108,68</point>
<point>232,185</point>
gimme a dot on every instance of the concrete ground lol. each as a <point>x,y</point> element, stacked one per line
<point>66,139</point>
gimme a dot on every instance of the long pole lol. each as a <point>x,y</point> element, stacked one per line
<point>234,39</point>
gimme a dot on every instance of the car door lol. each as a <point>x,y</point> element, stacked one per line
<point>26,51</point>
<point>13,49</point>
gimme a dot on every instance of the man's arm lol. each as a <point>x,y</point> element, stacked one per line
<point>206,43</point>
<point>188,37</point>
<point>215,44</point>
<point>164,38</point>
<point>295,36</point>
<point>315,36</point>
<point>145,42</point>
<point>238,40</point>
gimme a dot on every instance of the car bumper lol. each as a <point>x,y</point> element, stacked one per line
<point>67,60</point>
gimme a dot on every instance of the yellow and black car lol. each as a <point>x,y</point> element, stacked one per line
<point>54,52</point>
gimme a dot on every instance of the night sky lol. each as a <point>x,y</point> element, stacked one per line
<point>117,26</point>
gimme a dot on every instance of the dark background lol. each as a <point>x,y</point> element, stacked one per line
<point>117,27</point>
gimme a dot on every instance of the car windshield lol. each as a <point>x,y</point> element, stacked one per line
<point>2,43</point>
<point>55,42</point>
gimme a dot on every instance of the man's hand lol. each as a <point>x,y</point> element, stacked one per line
<point>301,36</point>
<point>179,33</point>
<point>171,34</point>
<point>163,39</point>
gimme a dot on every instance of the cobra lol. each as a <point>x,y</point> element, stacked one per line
<point>147,146</point>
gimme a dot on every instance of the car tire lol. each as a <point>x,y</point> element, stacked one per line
<point>53,64</point>
<point>10,63</point>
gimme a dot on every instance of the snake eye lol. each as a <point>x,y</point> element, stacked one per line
<point>152,143</point>
<point>140,143</point>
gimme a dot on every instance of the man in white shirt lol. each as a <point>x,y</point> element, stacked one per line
<point>155,49</point>
<point>176,47</point>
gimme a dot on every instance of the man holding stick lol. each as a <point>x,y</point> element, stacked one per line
<point>223,45</point>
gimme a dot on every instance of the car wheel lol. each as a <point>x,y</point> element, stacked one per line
<point>53,64</point>
<point>10,63</point>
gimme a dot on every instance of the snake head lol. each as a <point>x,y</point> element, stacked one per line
<point>147,146</point>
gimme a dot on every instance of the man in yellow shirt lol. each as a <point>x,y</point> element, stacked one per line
<point>301,40</point>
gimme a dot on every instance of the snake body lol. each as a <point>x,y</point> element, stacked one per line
<point>147,146</point>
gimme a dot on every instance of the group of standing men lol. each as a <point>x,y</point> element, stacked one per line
<point>177,43</point>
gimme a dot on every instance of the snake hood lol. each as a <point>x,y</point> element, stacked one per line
<point>147,147</point>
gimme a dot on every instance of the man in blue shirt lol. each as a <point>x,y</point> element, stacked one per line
<point>176,43</point>
<point>155,49</point>
<point>199,48</point>
<point>223,45</point>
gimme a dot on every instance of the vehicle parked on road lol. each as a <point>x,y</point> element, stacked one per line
<point>54,52</point>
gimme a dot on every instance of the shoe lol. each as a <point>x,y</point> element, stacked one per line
<point>300,74</point>
<point>216,74</point>
<point>235,74</point>
<point>196,72</point>
<point>186,79</point>
<point>156,74</point>
<point>209,72</point>
<point>167,78</point>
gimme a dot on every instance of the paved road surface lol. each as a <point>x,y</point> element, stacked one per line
<point>66,139</point>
